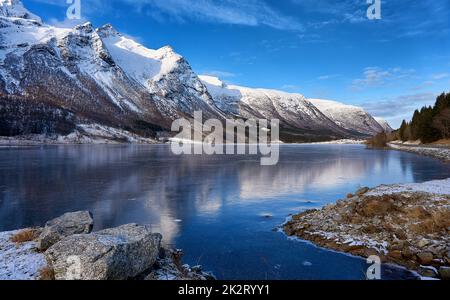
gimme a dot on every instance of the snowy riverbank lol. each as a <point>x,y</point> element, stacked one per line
<point>342,142</point>
<point>405,224</point>
<point>84,134</point>
<point>441,153</point>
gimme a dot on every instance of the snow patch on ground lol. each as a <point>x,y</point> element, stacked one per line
<point>342,142</point>
<point>19,261</point>
<point>441,187</point>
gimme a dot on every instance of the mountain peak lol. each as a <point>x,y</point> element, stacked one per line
<point>166,50</point>
<point>107,30</point>
<point>385,124</point>
<point>15,9</point>
<point>86,28</point>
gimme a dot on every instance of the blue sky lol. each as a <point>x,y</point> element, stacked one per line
<point>319,48</point>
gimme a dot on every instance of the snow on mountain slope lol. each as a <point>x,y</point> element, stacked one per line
<point>15,9</point>
<point>94,75</point>
<point>350,117</point>
<point>175,88</point>
<point>226,98</point>
<point>140,63</point>
<point>383,123</point>
<point>293,110</point>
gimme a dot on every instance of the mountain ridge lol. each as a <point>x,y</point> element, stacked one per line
<point>83,76</point>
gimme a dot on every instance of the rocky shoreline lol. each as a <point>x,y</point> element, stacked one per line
<point>435,152</point>
<point>66,248</point>
<point>408,225</point>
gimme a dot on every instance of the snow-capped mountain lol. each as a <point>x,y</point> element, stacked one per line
<point>98,82</point>
<point>352,118</point>
<point>384,124</point>
<point>297,115</point>
<point>88,75</point>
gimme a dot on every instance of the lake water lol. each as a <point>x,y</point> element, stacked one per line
<point>215,208</point>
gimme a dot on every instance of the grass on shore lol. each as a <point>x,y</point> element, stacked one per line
<point>445,142</point>
<point>47,273</point>
<point>26,235</point>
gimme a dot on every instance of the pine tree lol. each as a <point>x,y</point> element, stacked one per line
<point>442,102</point>
<point>402,131</point>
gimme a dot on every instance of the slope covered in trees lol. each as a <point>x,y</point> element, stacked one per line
<point>430,123</point>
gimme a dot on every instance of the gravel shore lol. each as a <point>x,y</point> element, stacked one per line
<point>441,153</point>
<point>408,225</point>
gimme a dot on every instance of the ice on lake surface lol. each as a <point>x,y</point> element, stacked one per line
<point>220,209</point>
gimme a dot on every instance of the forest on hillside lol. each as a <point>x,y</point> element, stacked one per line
<point>429,124</point>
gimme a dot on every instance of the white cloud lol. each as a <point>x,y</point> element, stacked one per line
<point>327,77</point>
<point>423,85</point>
<point>395,109</point>
<point>220,74</point>
<point>440,76</point>
<point>376,77</point>
<point>236,12</point>
<point>290,87</point>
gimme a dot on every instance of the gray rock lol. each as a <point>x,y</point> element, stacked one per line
<point>64,226</point>
<point>114,254</point>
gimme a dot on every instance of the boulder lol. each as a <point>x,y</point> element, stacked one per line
<point>362,191</point>
<point>425,258</point>
<point>114,254</point>
<point>64,226</point>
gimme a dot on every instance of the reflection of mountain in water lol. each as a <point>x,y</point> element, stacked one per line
<point>146,184</point>
<point>309,168</point>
